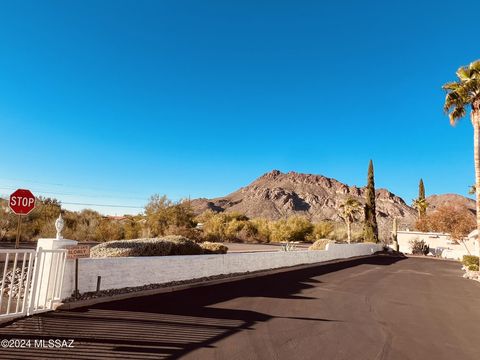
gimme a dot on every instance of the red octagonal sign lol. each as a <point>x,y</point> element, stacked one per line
<point>22,202</point>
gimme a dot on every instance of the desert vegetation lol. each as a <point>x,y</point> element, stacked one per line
<point>453,219</point>
<point>349,211</point>
<point>471,262</point>
<point>163,217</point>
<point>420,203</point>
<point>370,227</point>
<point>85,225</point>
<point>163,246</point>
<point>419,247</point>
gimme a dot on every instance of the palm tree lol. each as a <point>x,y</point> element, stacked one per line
<point>421,206</point>
<point>349,209</point>
<point>460,95</point>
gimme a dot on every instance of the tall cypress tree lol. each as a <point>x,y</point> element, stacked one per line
<point>421,190</point>
<point>370,228</point>
<point>422,203</point>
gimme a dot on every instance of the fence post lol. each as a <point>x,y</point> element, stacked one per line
<point>47,280</point>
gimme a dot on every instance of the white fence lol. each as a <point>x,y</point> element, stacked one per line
<point>440,244</point>
<point>31,281</point>
<point>123,272</point>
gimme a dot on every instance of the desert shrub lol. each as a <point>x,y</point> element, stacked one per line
<point>320,244</point>
<point>109,230</point>
<point>232,226</point>
<point>454,219</point>
<point>138,247</point>
<point>213,248</point>
<point>161,213</point>
<point>189,233</point>
<point>339,233</point>
<point>470,260</point>
<point>183,246</point>
<point>473,267</point>
<point>262,229</point>
<point>132,228</point>
<point>250,233</point>
<point>419,247</point>
<point>321,230</point>
<point>295,228</point>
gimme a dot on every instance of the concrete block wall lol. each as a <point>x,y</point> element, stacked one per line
<point>438,242</point>
<point>123,272</point>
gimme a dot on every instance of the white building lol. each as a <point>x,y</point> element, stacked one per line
<point>440,244</point>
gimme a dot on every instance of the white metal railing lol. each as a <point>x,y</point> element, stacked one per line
<point>36,287</point>
<point>16,289</point>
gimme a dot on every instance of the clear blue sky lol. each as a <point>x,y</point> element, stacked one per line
<point>109,102</point>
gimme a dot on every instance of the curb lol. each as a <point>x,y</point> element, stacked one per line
<point>168,289</point>
<point>431,258</point>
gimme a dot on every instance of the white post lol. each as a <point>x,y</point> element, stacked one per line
<point>46,266</point>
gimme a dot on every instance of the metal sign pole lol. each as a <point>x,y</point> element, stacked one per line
<point>17,241</point>
<point>76,278</point>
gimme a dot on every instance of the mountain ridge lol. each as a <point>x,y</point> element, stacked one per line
<point>275,195</point>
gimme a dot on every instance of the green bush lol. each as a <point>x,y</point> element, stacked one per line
<point>138,247</point>
<point>213,248</point>
<point>473,267</point>
<point>470,260</point>
<point>419,247</point>
<point>183,246</point>
<point>319,244</point>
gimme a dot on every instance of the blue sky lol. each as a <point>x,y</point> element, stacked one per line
<point>109,102</point>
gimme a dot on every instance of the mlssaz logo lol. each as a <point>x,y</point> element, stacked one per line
<point>53,343</point>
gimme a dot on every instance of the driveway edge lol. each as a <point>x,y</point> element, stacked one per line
<point>168,289</point>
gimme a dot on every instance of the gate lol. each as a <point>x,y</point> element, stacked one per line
<point>31,281</point>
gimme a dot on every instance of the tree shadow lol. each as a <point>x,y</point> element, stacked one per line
<point>169,325</point>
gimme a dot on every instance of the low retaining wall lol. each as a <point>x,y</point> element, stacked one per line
<point>123,272</point>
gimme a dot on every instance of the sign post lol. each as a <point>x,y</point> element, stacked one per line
<point>75,252</point>
<point>22,202</point>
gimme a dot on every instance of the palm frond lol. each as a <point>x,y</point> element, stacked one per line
<point>464,73</point>
<point>462,93</point>
<point>457,114</point>
<point>475,66</point>
<point>451,86</point>
<point>454,99</point>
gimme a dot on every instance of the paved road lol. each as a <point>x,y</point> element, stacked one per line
<point>377,308</point>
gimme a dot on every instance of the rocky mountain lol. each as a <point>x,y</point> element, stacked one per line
<point>278,195</point>
<point>434,201</point>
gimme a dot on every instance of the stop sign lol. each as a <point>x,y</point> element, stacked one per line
<point>22,202</point>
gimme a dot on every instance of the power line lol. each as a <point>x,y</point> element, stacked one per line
<point>73,194</point>
<point>103,205</point>
<point>91,204</point>
<point>58,184</point>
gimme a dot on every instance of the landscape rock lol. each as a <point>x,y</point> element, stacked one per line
<point>16,283</point>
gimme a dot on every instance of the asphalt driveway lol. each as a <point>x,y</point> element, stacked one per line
<point>374,308</point>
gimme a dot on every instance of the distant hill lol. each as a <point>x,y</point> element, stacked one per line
<point>276,195</point>
<point>434,201</point>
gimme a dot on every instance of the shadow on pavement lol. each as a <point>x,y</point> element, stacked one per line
<point>166,325</point>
